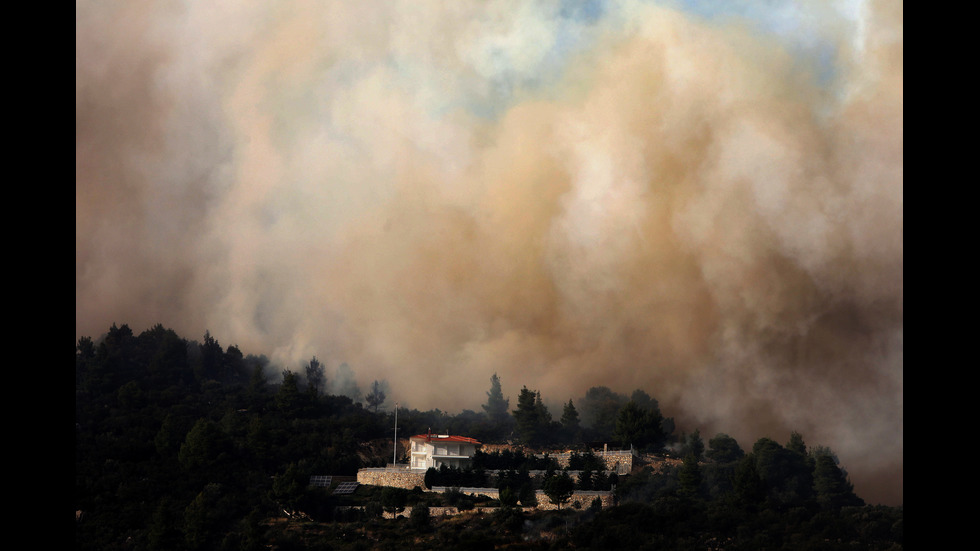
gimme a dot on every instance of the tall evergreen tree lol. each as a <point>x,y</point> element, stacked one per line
<point>787,474</point>
<point>796,443</point>
<point>526,417</point>
<point>287,398</point>
<point>546,426</point>
<point>315,379</point>
<point>831,485</point>
<point>497,406</point>
<point>570,426</point>
<point>257,385</point>
<point>689,476</point>
<point>750,489</point>
<point>695,444</point>
<point>211,359</point>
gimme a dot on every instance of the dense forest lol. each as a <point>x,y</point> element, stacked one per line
<point>185,444</point>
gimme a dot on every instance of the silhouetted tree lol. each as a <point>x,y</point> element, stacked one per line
<point>695,445</point>
<point>831,485</point>
<point>287,397</point>
<point>420,517</point>
<point>639,427</point>
<point>570,424</point>
<point>203,518</point>
<point>376,397</point>
<point>689,477</point>
<point>559,488</point>
<point>211,359</point>
<point>546,426</point>
<point>796,443</point>
<point>750,489</point>
<point>496,406</point>
<point>315,380</point>
<point>599,408</point>
<point>644,400</point>
<point>723,449</point>
<point>257,383</point>
<point>786,473</point>
<point>393,500</point>
<point>531,417</point>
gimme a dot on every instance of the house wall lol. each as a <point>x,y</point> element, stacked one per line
<point>463,450</point>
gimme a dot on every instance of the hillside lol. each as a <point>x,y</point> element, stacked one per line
<point>187,445</point>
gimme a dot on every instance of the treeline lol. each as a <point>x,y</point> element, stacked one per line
<point>181,444</point>
<point>511,469</point>
<point>599,416</point>
<point>188,445</point>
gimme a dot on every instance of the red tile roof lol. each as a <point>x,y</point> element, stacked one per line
<point>446,438</point>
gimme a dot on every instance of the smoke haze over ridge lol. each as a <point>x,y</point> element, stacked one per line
<point>708,206</point>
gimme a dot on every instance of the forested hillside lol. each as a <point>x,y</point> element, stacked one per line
<point>181,444</point>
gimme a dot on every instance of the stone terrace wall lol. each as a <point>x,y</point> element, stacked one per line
<point>583,497</point>
<point>620,461</point>
<point>398,479</point>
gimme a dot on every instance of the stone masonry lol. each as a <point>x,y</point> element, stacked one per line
<point>398,479</point>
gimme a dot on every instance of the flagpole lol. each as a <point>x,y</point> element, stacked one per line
<point>394,451</point>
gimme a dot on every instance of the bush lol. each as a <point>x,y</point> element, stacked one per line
<point>420,517</point>
<point>528,497</point>
<point>373,510</point>
<point>453,496</point>
<point>596,505</point>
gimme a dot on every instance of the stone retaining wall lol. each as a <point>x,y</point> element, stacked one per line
<point>410,479</point>
<point>398,479</point>
<point>620,461</point>
<point>582,496</point>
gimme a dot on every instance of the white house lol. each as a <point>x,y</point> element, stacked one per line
<point>436,450</point>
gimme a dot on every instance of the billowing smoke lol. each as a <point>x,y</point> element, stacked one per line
<point>705,207</point>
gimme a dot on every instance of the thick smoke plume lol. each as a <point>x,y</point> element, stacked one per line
<point>707,208</point>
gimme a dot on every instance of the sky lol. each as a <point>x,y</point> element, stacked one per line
<point>700,199</point>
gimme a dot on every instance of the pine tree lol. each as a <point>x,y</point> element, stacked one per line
<point>544,427</point>
<point>796,443</point>
<point>724,449</point>
<point>639,427</point>
<point>696,444</point>
<point>689,476</point>
<point>750,490</point>
<point>287,397</point>
<point>376,397</point>
<point>315,379</point>
<point>526,417</point>
<point>831,485</point>
<point>496,406</point>
<point>569,418</point>
<point>559,488</point>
